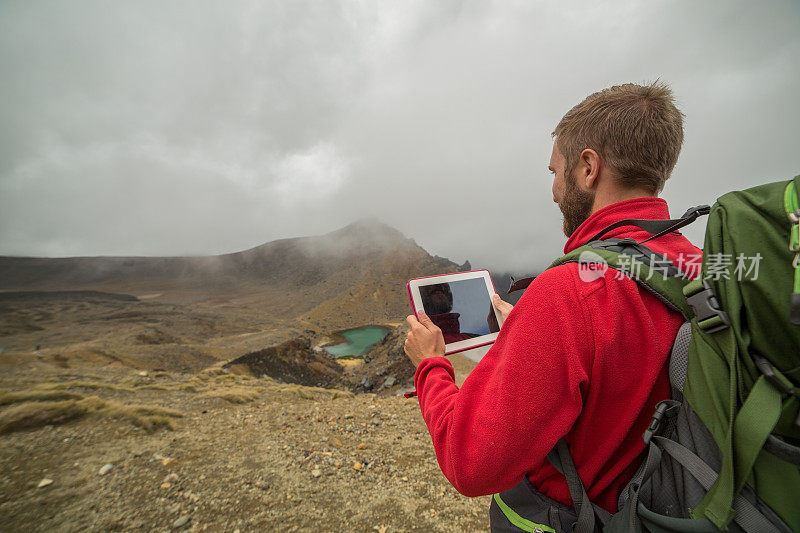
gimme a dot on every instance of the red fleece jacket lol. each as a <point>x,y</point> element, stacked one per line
<point>575,358</point>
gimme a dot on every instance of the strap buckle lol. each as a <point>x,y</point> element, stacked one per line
<point>694,212</point>
<point>710,317</point>
<point>766,368</point>
<point>519,284</point>
<point>794,245</point>
<point>663,409</point>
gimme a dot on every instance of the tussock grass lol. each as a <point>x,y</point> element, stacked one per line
<point>212,371</point>
<point>244,393</point>
<point>336,394</point>
<point>314,393</point>
<point>30,415</point>
<point>94,385</point>
<point>235,394</point>
<point>225,378</point>
<point>145,416</point>
<point>197,382</point>
<point>8,398</point>
<point>222,375</point>
<point>216,383</point>
<point>62,377</point>
<point>36,412</point>
<point>98,385</point>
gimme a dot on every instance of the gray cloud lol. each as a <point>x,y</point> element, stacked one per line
<point>204,127</point>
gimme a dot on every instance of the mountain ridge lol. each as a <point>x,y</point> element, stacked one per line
<point>344,278</point>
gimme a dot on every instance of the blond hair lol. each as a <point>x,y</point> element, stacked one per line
<point>636,129</point>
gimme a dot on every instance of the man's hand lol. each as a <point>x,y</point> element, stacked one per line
<point>503,307</point>
<point>424,340</point>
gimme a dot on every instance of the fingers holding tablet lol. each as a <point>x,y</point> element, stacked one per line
<point>503,307</point>
<point>424,340</point>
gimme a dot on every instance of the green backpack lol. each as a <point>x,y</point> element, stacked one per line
<point>723,451</point>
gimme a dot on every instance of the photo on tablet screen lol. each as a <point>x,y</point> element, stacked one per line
<point>461,309</point>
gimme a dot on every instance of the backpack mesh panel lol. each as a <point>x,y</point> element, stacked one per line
<point>679,357</point>
<point>672,490</point>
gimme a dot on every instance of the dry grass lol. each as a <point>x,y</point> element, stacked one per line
<point>217,383</point>
<point>7,398</point>
<point>94,385</point>
<point>53,403</point>
<point>132,386</point>
<point>222,376</point>
<point>234,394</point>
<point>37,411</point>
<point>242,392</point>
<point>314,393</point>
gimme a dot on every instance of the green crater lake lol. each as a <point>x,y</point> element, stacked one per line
<point>359,340</point>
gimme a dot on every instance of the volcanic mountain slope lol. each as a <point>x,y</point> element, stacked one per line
<point>346,278</point>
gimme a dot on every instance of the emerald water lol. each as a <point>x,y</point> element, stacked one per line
<point>358,341</point>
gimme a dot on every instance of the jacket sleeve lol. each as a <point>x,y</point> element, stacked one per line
<point>523,396</point>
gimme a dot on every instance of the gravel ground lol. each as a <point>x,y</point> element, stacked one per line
<point>289,458</point>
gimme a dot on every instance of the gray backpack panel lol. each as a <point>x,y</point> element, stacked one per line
<point>664,488</point>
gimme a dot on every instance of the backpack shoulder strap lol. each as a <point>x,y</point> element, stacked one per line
<point>650,270</point>
<point>588,513</point>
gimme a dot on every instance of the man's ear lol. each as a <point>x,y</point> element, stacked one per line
<point>590,164</point>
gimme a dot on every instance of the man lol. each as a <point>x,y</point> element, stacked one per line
<point>583,359</point>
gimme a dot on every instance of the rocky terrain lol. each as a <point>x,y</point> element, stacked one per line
<point>124,450</point>
<point>159,394</point>
<point>383,369</point>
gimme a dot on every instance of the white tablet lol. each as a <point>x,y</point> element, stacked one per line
<point>461,305</point>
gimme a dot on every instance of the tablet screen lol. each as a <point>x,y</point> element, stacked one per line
<point>461,309</point>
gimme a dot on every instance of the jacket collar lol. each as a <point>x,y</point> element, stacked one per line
<point>647,208</point>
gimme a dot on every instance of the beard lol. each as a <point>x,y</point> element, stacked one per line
<point>576,205</point>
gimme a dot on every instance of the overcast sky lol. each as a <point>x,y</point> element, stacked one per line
<point>172,127</point>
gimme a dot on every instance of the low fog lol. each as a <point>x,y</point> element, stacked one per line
<point>195,128</point>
